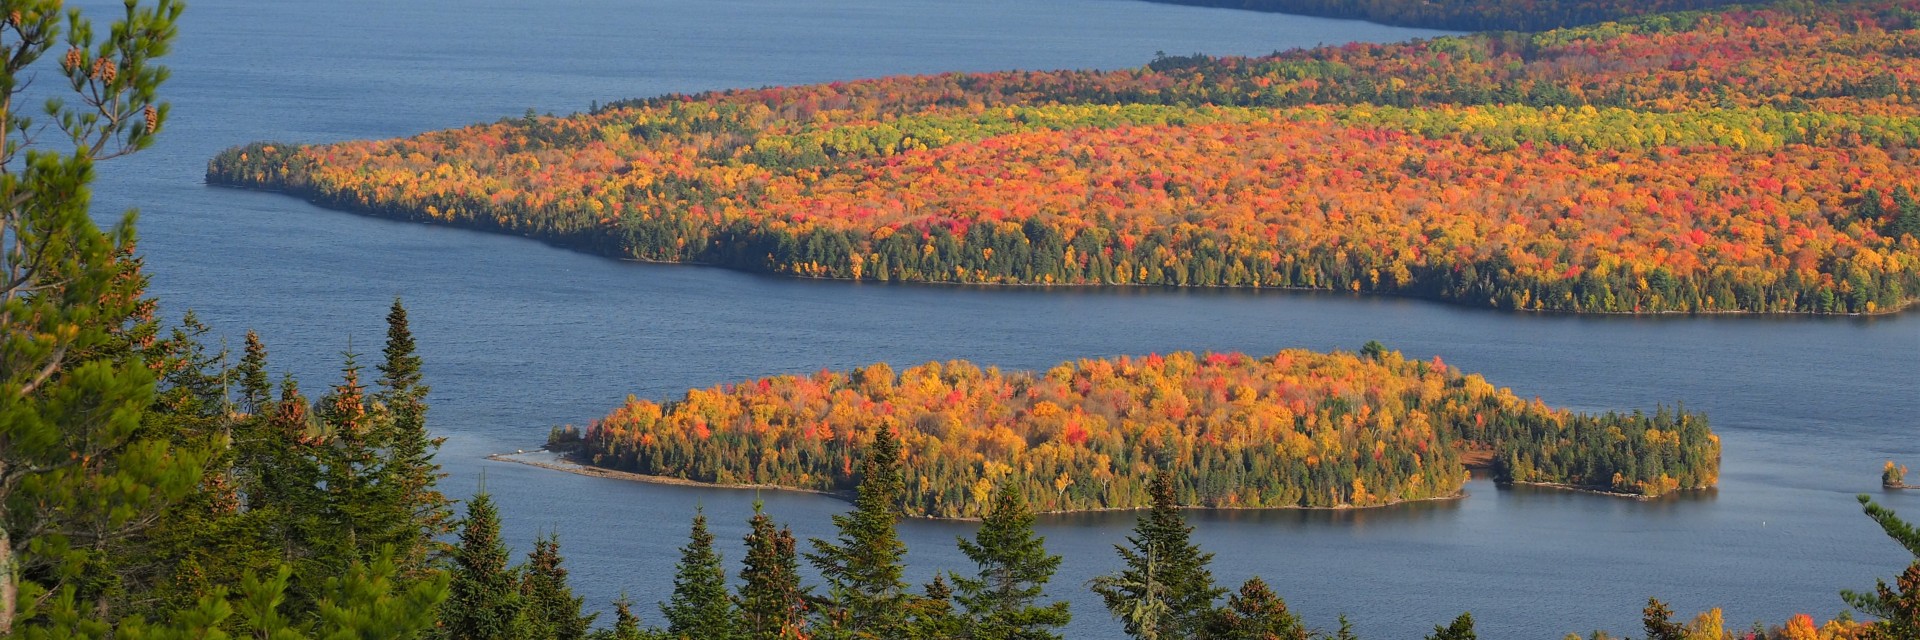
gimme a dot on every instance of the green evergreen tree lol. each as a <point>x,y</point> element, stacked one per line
<point>771,601</point>
<point>933,615</point>
<point>1257,613</point>
<point>866,597</point>
<point>1166,581</point>
<point>1897,605</point>
<point>1460,629</point>
<point>419,514</point>
<point>1346,630</point>
<point>701,607</point>
<point>552,611</point>
<point>485,601</point>
<point>256,391</point>
<point>75,465</point>
<point>1003,600</point>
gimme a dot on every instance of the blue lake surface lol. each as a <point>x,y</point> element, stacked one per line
<point>519,336</point>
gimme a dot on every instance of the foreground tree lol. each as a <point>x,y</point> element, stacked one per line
<point>1003,600</point>
<point>1897,605</point>
<point>771,602</point>
<point>866,597</point>
<point>1460,629</point>
<point>1256,613</point>
<point>700,607</point>
<point>77,471</point>
<point>485,603</point>
<point>552,611</point>
<point>1166,589</point>
<point>417,512</point>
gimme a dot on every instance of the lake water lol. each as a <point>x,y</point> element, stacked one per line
<point>519,336</point>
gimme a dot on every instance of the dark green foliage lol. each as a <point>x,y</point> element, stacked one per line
<point>256,391</point>
<point>1460,629</point>
<point>1346,630</point>
<point>485,603</point>
<point>866,597</point>
<point>1658,621</point>
<point>933,615</point>
<point>701,607</point>
<point>1003,600</point>
<point>1166,590</point>
<point>552,611</point>
<point>1256,613</point>
<point>771,601</point>
<point>419,514</point>
<point>1636,453</point>
<point>1373,350</point>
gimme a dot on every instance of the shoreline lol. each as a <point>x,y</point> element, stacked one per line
<point>619,253</point>
<point>563,462</point>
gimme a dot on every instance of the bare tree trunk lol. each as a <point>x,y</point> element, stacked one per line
<point>9,583</point>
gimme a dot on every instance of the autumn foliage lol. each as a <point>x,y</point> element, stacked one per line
<point>1745,160</point>
<point>1296,429</point>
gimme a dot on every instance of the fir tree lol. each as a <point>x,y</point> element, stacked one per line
<point>552,611</point>
<point>1257,613</point>
<point>485,601</point>
<point>701,607</point>
<point>771,602</point>
<point>1460,629</point>
<point>1164,571</point>
<point>866,597</point>
<point>1003,600</point>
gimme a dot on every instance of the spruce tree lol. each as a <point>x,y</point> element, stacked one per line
<point>866,597</point>
<point>771,602</point>
<point>700,607</point>
<point>552,611</point>
<point>1257,613</point>
<point>1657,619</point>
<point>1164,571</point>
<point>418,513</point>
<point>76,467</point>
<point>1003,600</point>
<point>256,391</point>
<point>485,601</point>
<point>626,625</point>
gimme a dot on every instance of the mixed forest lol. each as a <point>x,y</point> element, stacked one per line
<point>1737,160</point>
<point>1296,429</point>
<point>1467,15</point>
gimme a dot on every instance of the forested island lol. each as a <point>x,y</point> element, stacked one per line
<point>1747,159</point>
<point>1894,476</point>
<point>1295,429</point>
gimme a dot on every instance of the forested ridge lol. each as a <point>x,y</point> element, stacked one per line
<point>1748,159</point>
<point>1467,15</point>
<point>1296,429</point>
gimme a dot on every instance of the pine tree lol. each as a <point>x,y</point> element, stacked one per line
<point>420,513</point>
<point>771,602</point>
<point>1897,605</point>
<point>1164,571</point>
<point>700,608</point>
<point>1460,629</point>
<point>75,465</point>
<point>485,601</point>
<point>1003,600</point>
<point>552,612</point>
<point>866,597</point>
<point>1257,613</point>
